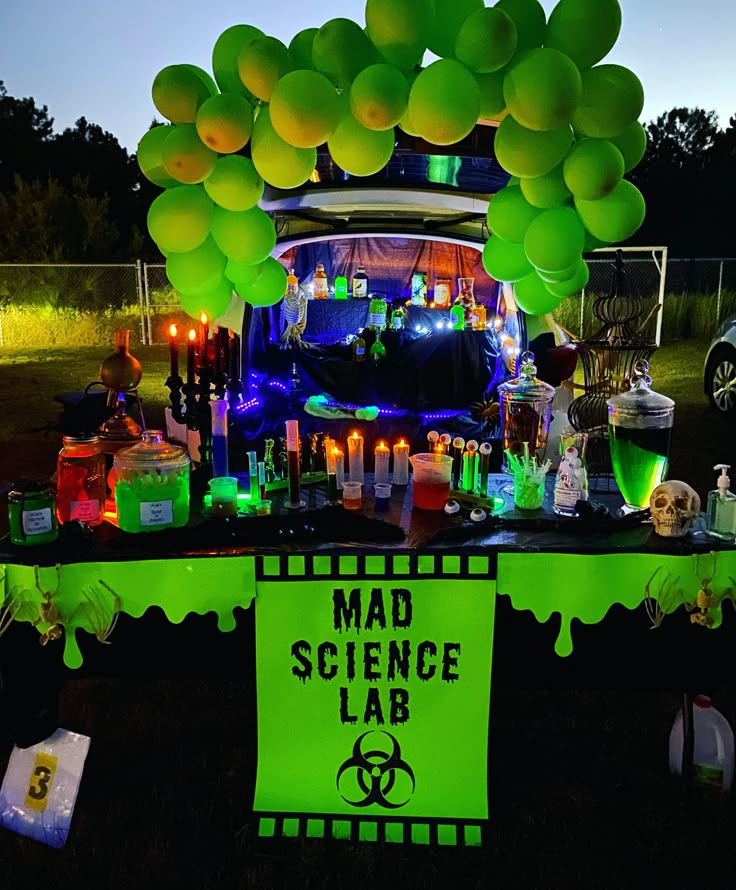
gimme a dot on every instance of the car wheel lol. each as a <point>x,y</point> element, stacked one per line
<point>721,383</point>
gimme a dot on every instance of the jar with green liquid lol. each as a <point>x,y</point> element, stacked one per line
<point>32,513</point>
<point>152,485</point>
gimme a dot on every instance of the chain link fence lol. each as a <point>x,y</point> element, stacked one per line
<point>68,305</point>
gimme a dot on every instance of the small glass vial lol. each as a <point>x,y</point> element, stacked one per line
<point>32,513</point>
<point>722,507</point>
<point>81,483</point>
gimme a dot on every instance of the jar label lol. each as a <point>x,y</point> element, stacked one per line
<point>568,497</point>
<point>360,350</point>
<point>360,287</point>
<point>157,513</point>
<point>377,319</point>
<point>85,511</point>
<point>37,522</point>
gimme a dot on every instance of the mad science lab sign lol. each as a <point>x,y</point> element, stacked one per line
<point>373,678</point>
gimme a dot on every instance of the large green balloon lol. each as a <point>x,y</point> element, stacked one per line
<point>279,163</point>
<point>542,89</point>
<point>225,56</point>
<point>198,271</point>
<point>341,50</point>
<point>244,274</point>
<point>612,100</point>
<point>593,168</point>
<point>562,275</point>
<point>615,217</point>
<point>555,239</point>
<point>446,20</point>
<point>262,63</point>
<point>585,30</point>
<point>399,29</point>
<point>527,153</point>
<point>178,91</point>
<point>269,288</point>
<point>592,243</point>
<point>492,103</point>
<point>505,261</point>
<point>224,122</point>
<point>509,214</point>
<point>246,237</point>
<point>444,102</point>
<point>301,48</point>
<point>358,150</point>
<point>149,156</point>
<point>530,21</point>
<point>486,41</point>
<point>213,303</point>
<point>186,158</point>
<point>532,296</point>
<point>572,285</point>
<point>632,144</point>
<point>305,109</point>
<point>547,191</point>
<point>180,218</point>
<point>235,183</point>
<point>379,97</point>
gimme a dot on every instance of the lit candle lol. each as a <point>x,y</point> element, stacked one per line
<point>458,444</point>
<point>204,336</point>
<point>190,357</point>
<point>401,463</point>
<point>381,455</point>
<point>339,467</point>
<point>173,352</point>
<point>355,458</point>
<point>485,463</point>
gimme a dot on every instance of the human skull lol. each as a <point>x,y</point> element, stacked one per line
<point>674,506</point>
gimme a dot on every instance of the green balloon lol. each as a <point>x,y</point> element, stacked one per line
<point>632,144</point>
<point>248,236</point>
<point>615,217</point>
<point>555,239</point>
<point>505,261</point>
<point>197,272</point>
<point>224,122</point>
<point>612,100</point>
<point>235,183</point>
<point>407,125</point>
<point>547,191</point>
<point>593,168</point>
<point>305,109</point>
<point>179,219</point>
<point>492,102</point>
<point>213,303</point>
<point>592,243</point>
<point>178,91</point>
<point>341,50</point>
<point>379,97</point>
<point>225,56</point>
<point>527,153</point>
<point>244,274</point>
<point>262,63</point>
<point>532,296</point>
<point>269,289</point>
<point>509,214</point>
<point>301,48</point>
<point>444,102</point>
<point>486,41</point>
<point>583,30</point>
<point>186,158</point>
<point>530,21</point>
<point>358,150</point>
<point>573,285</point>
<point>279,163</point>
<point>445,23</point>
<point>399,29</point>
<point>542,89</point>
<point>562,275</point>
<point>149,156</point>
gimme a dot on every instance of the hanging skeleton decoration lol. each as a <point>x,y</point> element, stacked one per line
<point>674,506</point>
<point>293,317</point>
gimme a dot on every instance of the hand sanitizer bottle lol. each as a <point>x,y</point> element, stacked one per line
<point>722,507</point>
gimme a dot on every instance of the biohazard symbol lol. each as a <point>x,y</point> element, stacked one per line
<point>376,773</point>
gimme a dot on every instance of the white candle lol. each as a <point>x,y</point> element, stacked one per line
<point>355,458</point>
<point>401,463</point>
<point>381,456</point>
<point>339,467</point>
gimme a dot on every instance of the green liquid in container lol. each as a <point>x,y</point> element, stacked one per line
<point>639,458</point>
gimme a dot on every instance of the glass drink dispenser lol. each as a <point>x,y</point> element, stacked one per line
<point>526,411</point>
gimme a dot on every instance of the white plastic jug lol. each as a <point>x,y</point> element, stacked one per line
<point>713,755</point>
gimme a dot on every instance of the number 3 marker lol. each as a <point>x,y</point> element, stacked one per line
<point>42,778</point>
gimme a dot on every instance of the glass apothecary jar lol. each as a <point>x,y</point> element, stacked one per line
<point>80,480</point>
<point>526,411</point>
<point>32,512</point>
<point>152,485</point>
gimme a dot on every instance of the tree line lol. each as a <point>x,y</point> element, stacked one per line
<point>79,196</point>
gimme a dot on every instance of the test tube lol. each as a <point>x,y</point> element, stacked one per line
<point>252,474</point>
<point>458,444</point>
<point>485,464</point>
<point>331,471</point>
<point>292,463</point>
<point>262,479</point>
<point>219,437</point>
<point>470,466</point>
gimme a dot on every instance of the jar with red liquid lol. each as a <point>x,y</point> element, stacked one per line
<point>80,483</point>
<point>431,480</point>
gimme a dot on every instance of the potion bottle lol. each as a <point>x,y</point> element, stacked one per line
<point>320,289</point>
<point>360,284</point>
<point>377,350</point>
<point>571,484</point>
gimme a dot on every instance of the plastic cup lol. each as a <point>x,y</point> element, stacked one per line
<point>224,493</point>
<point>431,480</point>
<point>528,492</point>
<point>352,496</point>
<point>383,496</point>
<point>263,508</point>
